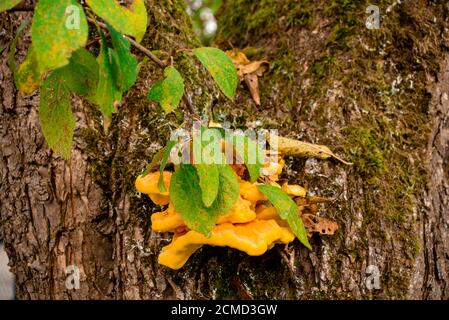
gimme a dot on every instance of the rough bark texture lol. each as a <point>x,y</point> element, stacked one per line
<point>432,270</point>
<point>377,97</point>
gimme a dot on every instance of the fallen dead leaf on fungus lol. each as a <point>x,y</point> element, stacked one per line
<point>249,71</point>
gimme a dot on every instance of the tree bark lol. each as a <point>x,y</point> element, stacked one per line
<point>377,97</point>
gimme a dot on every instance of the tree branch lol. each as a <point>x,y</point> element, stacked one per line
<point>137,45</point>
<point>149,54</point>
<point>22,7</point>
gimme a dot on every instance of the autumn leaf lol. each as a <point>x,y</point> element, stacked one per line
<point>27,77</point>
<point>54,38</point>
<point>319,225</point>
<point>249,71</point>
<point>296,148</point>
<point>168,92</point>
<point>8,4</point>
<point>53,42</point>
<point>130,20</point>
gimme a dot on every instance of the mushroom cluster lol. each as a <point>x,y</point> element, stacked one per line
<point>252,225</point>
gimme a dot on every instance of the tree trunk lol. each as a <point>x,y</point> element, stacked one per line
<point>379,98</point>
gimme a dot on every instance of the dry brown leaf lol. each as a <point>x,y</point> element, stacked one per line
<point>257,68</point>
<point>252,82</point>
<point>322,226</point>
<point>237,56</point>
<point>249,71</point>
<point>296,148</point>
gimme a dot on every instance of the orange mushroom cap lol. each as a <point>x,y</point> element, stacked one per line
<point>169,220</point>
<point>149,185</point>
<point>254,238</point>
<point>249,191</point>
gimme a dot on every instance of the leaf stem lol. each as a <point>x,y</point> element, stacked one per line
<point>150,55</point>
<point>137,45</point>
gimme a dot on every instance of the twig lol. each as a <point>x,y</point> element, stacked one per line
<point>188,104</point>
<point>137,45</point>
<point>91,42</point>
<point>148,53</point>
<point>22,7</point>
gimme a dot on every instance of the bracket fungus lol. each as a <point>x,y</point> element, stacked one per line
<point>257,219</point>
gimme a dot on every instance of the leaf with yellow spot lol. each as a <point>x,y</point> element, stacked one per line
<point>220,67</point>
<point>131,20</point>
<point>8,4</point>
<point>58,29</point>
<point>168,92</point>
<point>27,77</point>
<point>185,194</point>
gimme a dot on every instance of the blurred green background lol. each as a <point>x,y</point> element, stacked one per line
<point>203,13</point>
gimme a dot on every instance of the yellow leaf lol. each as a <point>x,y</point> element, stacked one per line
<point>296,148</point>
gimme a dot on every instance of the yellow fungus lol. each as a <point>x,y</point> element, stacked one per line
<point>240,213</point>
<point>166,221</point>
<point>249,191</point>
<point>159,199</point>
<point>254,238</point>
<point>252,225</point>
<point>148,184</point>
<point>169,220</point>
<point>294,190</point>
<point>266,212</point>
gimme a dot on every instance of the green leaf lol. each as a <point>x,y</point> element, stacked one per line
<point>209,179</point>
<point>168,92</point>
<point>156,158</point>
<point>82,74</point>
<point>124,64</point>
<point>55,113</point>
<point>58,29</point>
<point>167,150</point>
<point>107,92</point>
<point>130,20</point>
<point>287,210</point>
<point>228,190</point>
<point>186,196</point>
<point>220,67</point>
<point>205,165</point>
<point>27,77</point>
<point>251,152</point>
<point>8,4</point>
<point>12,51</point>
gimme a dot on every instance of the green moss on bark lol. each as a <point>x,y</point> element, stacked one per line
<point>362,92</point>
